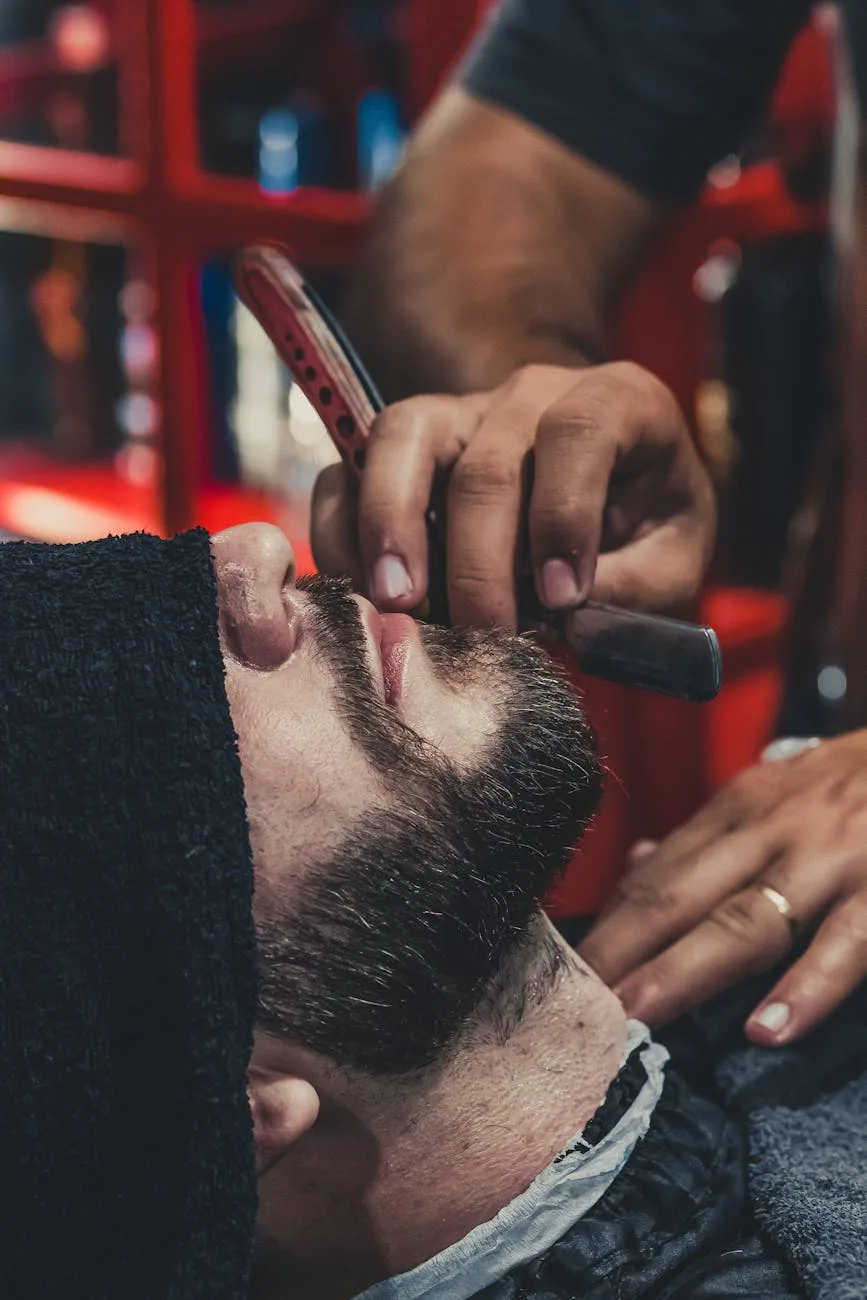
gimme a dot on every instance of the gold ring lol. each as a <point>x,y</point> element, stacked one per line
<point>780,902</point>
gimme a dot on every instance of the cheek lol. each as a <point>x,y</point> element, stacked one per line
<point>461,722</point>
<point>305,782</point>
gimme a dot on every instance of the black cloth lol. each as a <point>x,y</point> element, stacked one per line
<point>674,1225</point>
<point>750,1182</point>
<point>654,91</point>
<point>804,1112</point>
<point>127,960</point>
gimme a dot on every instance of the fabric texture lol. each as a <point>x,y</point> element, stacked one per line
<point>805,1113</point>
<point>127,960</point>
<point>751,1181</point>
<point>654,91</point>
<point>673,1226</point>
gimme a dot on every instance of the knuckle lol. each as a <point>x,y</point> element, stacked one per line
<point>399,419</point>
<point>725,811</point>
<point>848,925</point>
<point>742,918</point>
<point>629,374</point>
<point>529,376</point>
<point>643,893</point>
<point>479,598</point>
<point>576,420</point>
<point>477,478</point>
<point>847,792</point>
<point>414,419</point>
<point>476,587</point>
<point>750,789</point>
<point>560,516</point>
<point>664,975</point>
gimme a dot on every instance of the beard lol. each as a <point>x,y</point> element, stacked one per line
<point>391,945</point>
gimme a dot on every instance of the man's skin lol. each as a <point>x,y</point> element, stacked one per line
<point>362,1176</point>
<point>363,1179</point>
<point>492,269</point>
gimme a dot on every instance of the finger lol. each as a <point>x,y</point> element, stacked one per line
<point>334,525</point>
<point>832,968</point>
<point>660,572</point>
<point>743,936</point>
<point>667,894</point>
<point>408,443</point>
<point>660,523</point>
<point>640,852</point>
<point>616,451</point>
<point>485,499</point>
<point>576,448</point>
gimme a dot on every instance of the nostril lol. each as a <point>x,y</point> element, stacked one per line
<point>260,628</point>
<point>255,569</point>
<point>264,641</point>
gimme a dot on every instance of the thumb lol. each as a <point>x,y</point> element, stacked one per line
<point>334,525</point>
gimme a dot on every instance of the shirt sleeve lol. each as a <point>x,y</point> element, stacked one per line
<point>654,91</point>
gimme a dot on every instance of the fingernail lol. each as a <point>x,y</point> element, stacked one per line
<point>390,579</point>
<point>559,585</point>
<point>773,1017</point>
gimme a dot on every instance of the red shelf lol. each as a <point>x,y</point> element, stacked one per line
<point>159,197</point>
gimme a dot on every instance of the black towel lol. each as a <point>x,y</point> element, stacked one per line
<point>804,1109</point>
<point>126,947</point>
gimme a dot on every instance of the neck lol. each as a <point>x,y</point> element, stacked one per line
<point>394,1172</point>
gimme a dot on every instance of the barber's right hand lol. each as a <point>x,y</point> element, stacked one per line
<point>617,506</point>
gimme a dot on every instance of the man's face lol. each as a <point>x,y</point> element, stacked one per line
<point>410,793</point>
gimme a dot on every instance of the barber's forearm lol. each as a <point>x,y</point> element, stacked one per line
<point>494,247</point>
<point>437,308</point>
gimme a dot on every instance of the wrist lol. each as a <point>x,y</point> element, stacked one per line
<point>488,359</point>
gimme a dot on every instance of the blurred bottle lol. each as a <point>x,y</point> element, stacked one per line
<point>294,147</point>
<point>279,133</point>
<point>138,459</point>
<point>381,138</point>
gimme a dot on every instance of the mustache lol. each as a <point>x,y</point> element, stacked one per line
<point>387,741</point>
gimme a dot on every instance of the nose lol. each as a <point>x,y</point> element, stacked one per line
<point>255,566</point>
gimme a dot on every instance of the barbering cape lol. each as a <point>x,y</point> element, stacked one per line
<point>126,946</point>
<point>750,1183</point>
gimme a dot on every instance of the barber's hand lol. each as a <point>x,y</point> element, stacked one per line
<point>690,919</point>
<point>619,508</point>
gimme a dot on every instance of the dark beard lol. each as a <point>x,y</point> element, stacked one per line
<point>390,946</point>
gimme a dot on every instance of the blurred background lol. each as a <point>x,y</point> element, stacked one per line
<point>141,141</point>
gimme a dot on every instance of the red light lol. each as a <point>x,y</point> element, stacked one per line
<point>81,37</point>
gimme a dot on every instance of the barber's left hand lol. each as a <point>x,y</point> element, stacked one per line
<point>690,919</point>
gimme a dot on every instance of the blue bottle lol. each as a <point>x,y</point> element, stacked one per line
<point>293,147</point>
<point>381,138</point>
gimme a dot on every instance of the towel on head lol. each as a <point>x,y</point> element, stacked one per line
<point>127,960</point>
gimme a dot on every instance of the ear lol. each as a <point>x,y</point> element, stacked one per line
<point>284,1108</point>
